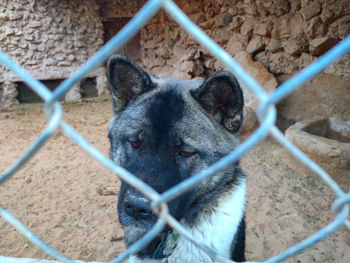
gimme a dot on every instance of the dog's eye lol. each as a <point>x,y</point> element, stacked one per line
<point>135,144</point>
<point>185,154</point>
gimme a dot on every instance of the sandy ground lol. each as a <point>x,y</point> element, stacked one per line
<point>57,194</point>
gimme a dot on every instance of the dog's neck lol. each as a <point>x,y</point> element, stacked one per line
<point>217,230</point>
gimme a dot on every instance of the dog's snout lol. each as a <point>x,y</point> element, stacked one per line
<point>138,207</point>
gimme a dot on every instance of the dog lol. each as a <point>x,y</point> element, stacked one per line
<point>165,130</point>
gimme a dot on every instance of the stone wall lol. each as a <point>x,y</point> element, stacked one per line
<point>285,36</point>
<point>271,39</point>
<point>50,39</point>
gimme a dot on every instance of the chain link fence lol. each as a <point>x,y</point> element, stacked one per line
<point>266,115</point>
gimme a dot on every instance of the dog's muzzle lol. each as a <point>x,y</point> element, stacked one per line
<point>137,210</point>
<point>138,207</point>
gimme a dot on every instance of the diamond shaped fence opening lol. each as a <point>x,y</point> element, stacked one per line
<point>266,115</point>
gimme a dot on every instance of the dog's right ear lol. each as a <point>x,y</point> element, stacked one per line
<point>127,81</point>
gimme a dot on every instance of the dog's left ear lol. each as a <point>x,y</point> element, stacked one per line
<point>222,98</point>
<point>126,80</point>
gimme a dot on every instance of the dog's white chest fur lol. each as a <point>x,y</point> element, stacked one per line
<point>216,230</point>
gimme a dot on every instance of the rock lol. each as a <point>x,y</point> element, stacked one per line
<point>235,44</point>
<point>280,7</point>
<point>314,137</point>
<point>59,57</point>
<point>71,57</point>
<point>221,36</point>
<point>320,45</point>
<point>263,29</point>
<point>251,9</point>
<point>262,11</point>
<point>8,94</point>
<point>102,85</point>
<point>247,27</point>
<point>15,16</point>
<point>34,24</point>
<point>236,23</point>
<point>31,62</point>
<point>50,62</point>
<point>37,36</point>
<point>295,5</point>
<point>225,19</point>
<point>306,59</point>
<point>73,94</point>
<point>187,66</point>
<point>340,28</point>
<point>9,31</point>
<point>29,37</point>
<point>117,236</point>
<point>210,63</point>
<point>164,72</point>
<point>4,16</point>
<point>278,63</point>
<point>311,10</point>
<point>64,64</point>
<point>281,29</point>
<point>304,3</point>
<point>255,45</point>
<point>164,52</point>
<point>18,33</point>
<point>28,180</point>
<point>273,46</point>
<point>258,72</point>
<point>159,61</point>
<point>296,45</point>
<point>333,10</point>
<point>108,190</point>
<point>198,68</point>
<point>207,24</point>
<point>218,66</point>
<point>315,28</point>
<point>78,44</point>
<point>198,18</point>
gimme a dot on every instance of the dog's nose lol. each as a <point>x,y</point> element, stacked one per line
<point>138,207</point>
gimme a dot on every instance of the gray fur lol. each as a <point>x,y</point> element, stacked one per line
<point>165,131</point>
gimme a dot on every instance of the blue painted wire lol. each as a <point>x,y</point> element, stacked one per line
<point>266,114</point>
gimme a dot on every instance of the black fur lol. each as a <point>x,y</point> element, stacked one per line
<point>222,98</point>
<point>164,111</point>
<point>238,243</point>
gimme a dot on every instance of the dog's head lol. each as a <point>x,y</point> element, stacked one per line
<point>166,130</point>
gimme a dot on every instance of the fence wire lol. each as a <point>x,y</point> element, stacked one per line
<point>266,115</point>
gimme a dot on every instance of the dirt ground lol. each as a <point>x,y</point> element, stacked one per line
<point>57,194</point>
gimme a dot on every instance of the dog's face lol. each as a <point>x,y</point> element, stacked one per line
<point>165,131</point>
